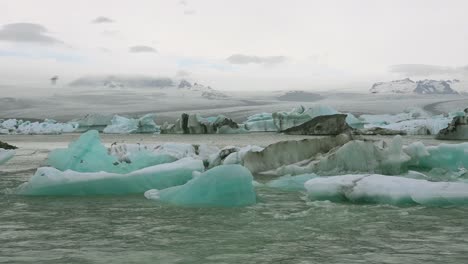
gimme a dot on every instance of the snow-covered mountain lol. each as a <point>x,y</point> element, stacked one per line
<point>398,86</point>
<point>206,91</point>
<point>406,86</point>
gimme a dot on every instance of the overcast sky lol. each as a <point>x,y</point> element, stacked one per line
<point>236,44</point>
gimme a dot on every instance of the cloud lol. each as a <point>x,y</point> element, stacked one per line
<point>27,32</point>
<point>247,59</point>
<point>101,20</point>
<point>426,70</point>
<point>141,49</point>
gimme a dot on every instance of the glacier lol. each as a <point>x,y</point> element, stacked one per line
<point>51,181</point>
<point>222,186</point>
<point>381,189</point>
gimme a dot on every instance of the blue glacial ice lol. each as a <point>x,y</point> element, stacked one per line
<point>222,186</point>
<point>50,181</point>
<point>87,154</point>
<point>374,188</point>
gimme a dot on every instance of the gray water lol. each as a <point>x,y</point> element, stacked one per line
<point>283,227</point>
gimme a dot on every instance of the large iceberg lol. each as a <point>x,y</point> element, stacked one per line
<point>374,188</point>
<point>289,152</point>
<point>445,156</point>
<point>299,115</point>
<point>6,155</point>
<point>87,154</point>
<point>123,125</point>
<point>222,186</point>
<point>50,181</point>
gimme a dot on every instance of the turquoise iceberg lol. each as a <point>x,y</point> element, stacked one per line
<point>50,181</point>
<point>87,154</point>
<point>222,186</point>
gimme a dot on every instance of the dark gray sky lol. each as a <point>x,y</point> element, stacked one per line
<point>236,44</point>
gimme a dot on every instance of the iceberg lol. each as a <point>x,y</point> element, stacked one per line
<point>123,125</point>
<point>380,189</point>
<point>457,129</point>
<point>262,122</point>
<point>445,156</point>
<point>6,155</point>
<point>87,154</point>
<point>222,186</point>
<point>238,156</point>
<point>92,122</point>
<point>300,115</point>
<point>290,151</point>
<point>48,126</point>
<point>50,181</point>
<point>291,183</point>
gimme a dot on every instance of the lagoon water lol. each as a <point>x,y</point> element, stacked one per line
<point>283,227</point>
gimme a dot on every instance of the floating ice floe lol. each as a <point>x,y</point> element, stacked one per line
<point>48,126</point>
<point>51,181</point>
<point>222,186</point>
<point>123,125</point>
<point>87,154</point>
<point>6,155</point>
<point>374,188</point>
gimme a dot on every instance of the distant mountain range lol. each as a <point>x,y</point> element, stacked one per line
<point>406,86</point>
<point>122,82</point>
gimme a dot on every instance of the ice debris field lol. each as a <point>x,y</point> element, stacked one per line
<point>343,168</point>
<point>313,120</point>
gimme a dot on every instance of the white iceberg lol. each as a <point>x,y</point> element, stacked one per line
<point>50,181</point>
<point>374,188</point>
